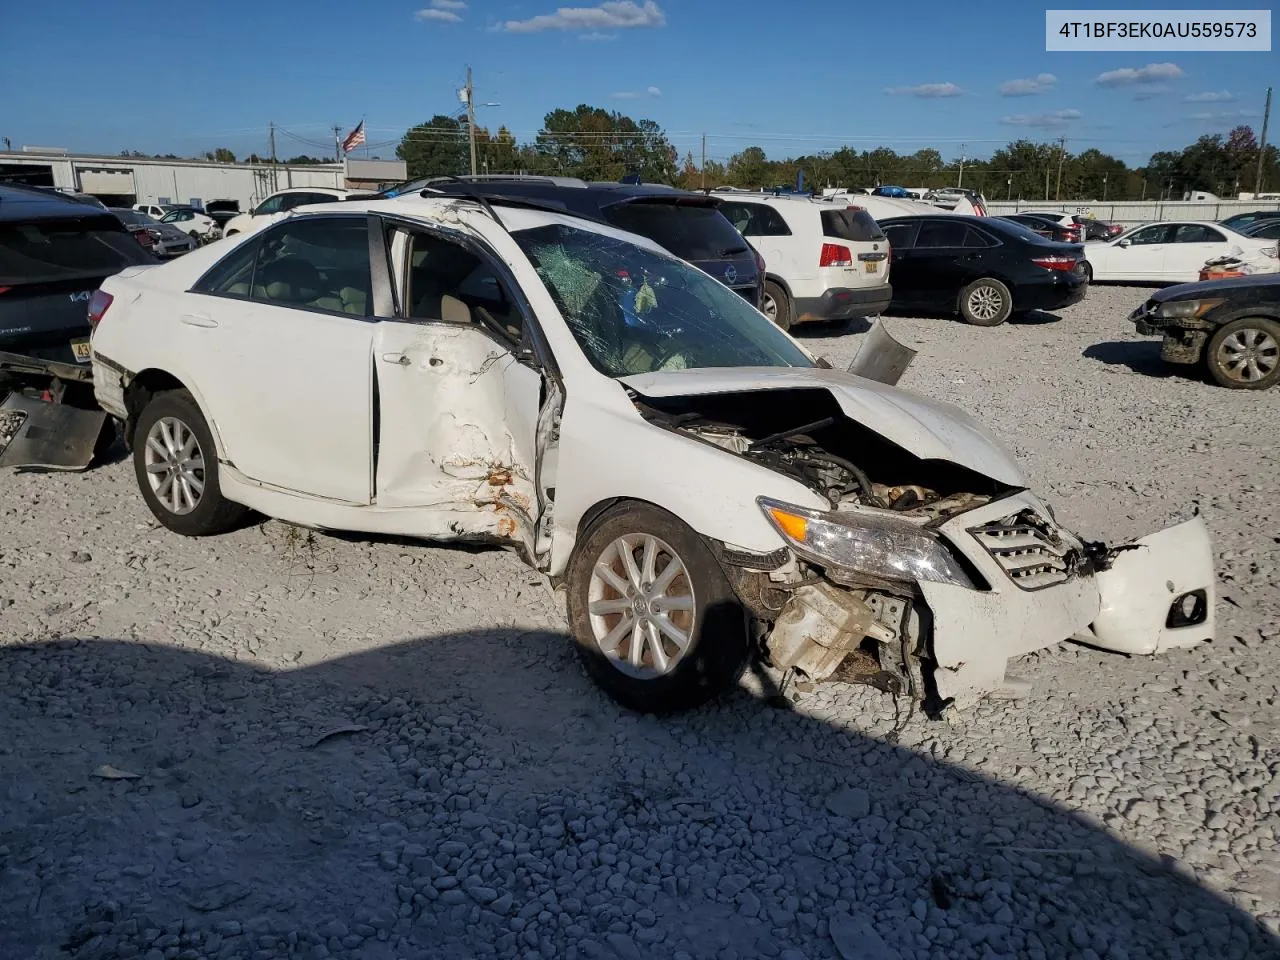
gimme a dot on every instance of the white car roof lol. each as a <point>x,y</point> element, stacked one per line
<point>453,210</point>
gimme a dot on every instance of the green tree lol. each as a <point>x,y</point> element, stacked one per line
<point>750,169</point>
<point>435,148</point>
<point>598,144</point>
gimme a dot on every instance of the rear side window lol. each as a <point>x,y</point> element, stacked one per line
<point>856,226</point>
<point>231,276</point>
<point>319,264</point>
<point>942,233</point>
<point>52,250</point>
<point>691,233</point>
<point>900,235</point>
<point>755,220</point>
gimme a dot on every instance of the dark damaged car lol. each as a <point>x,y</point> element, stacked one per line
<point>54,253</point>
<point>1231,327</point>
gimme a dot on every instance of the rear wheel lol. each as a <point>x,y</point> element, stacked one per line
<point>176,464</point>
<point>1087,267</point>
<point>986,303</point>
<point>776,305</point>
<point>657,624</point>
<point>1245,354</point>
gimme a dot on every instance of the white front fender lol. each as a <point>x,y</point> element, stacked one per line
<point>1139,589</point>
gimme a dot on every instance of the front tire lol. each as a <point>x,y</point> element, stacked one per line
<point>776,305</point>
<point>1245,354</point>
<point>986,303</point>
<point>657,625</point>
<point>176,464</point>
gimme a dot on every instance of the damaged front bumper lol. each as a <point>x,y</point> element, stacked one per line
<point>1040,586</point>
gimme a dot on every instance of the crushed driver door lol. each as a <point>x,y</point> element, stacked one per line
<point>456,430</point>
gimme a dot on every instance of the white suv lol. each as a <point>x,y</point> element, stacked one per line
<point>283,200</point>
<point>823,261</point>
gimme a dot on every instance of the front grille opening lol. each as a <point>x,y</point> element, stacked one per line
<point>1029,549</point>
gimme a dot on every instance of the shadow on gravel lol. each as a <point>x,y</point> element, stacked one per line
<point>1141,356</point>
<point>831,328</point>
<point>474,795</point>
<point>1034,318</point>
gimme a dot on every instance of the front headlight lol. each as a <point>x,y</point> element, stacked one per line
<point>883,547</point>
<point>1182,309</point>
<point>1269,252</point>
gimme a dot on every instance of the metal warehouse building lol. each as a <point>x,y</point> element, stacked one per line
<point>124,181</point>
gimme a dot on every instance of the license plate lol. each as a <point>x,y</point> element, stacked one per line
<point>81,351</point>
<point>871,266</point>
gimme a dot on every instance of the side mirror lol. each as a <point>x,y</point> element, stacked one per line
<point>1124,243</point>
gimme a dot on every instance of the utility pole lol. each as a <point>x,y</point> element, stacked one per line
<point>337,144</point>
<point>1104,188</point>
<point>1262,145</point>
<point>960,178</point>
<point>703,165</point>
<point>271,137</point>
<point>471,120</point>
<point>1047,170</point>
<point>1062,156</point>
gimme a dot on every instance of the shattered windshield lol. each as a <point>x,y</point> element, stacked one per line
<point>635,311</point>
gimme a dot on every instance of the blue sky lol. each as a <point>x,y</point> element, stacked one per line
<point>186,77</point>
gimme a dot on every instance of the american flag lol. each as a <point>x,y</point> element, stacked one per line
<point>354,138</point>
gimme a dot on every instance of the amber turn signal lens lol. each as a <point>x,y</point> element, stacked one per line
<point>792,525</point>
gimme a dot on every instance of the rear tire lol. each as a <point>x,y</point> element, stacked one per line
<point>776,305</point>
<point>1088,271</point>
<point>657,625</point>
<point>176,464</point>
<point>986,303</point>
<point>1245,354</point>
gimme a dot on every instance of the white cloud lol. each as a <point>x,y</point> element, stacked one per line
<point>1223,116</point>
<point>1044,121</point>
<point>441,16</point>
<point>652,92</point>
<point>926,90</point>
<point>612,15</point>
<point>448,4</point>
<point>1151,73</point>
<point>1219,96</point>
<point>1040,83</point>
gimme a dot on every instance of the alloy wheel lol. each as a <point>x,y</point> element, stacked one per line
<point>641,606</point>
<point>175,465</point>
<point>1248,354</point>
<point>985,303</point>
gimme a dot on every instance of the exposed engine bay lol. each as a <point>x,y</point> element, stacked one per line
<point>804,434</point>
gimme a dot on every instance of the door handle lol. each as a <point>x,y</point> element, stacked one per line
<point>397,358</point>
<point>199,320</point>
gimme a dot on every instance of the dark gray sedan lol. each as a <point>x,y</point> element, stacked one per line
<point>163,239</point>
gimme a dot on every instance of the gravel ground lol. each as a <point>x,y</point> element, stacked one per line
<point>279,744</point>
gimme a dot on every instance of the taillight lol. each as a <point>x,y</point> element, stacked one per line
<point>98,304</point>
<point>834,255</point>
<point>1073,234</point>
<point>1065,264</point>
<point>5,289</point>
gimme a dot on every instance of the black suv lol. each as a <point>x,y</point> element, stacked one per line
<point>54,252</point>
<point>686,224</point>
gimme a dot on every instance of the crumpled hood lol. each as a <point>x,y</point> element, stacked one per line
<point>927,428</point>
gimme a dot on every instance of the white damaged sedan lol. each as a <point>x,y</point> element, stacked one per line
<point>705,491</point>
